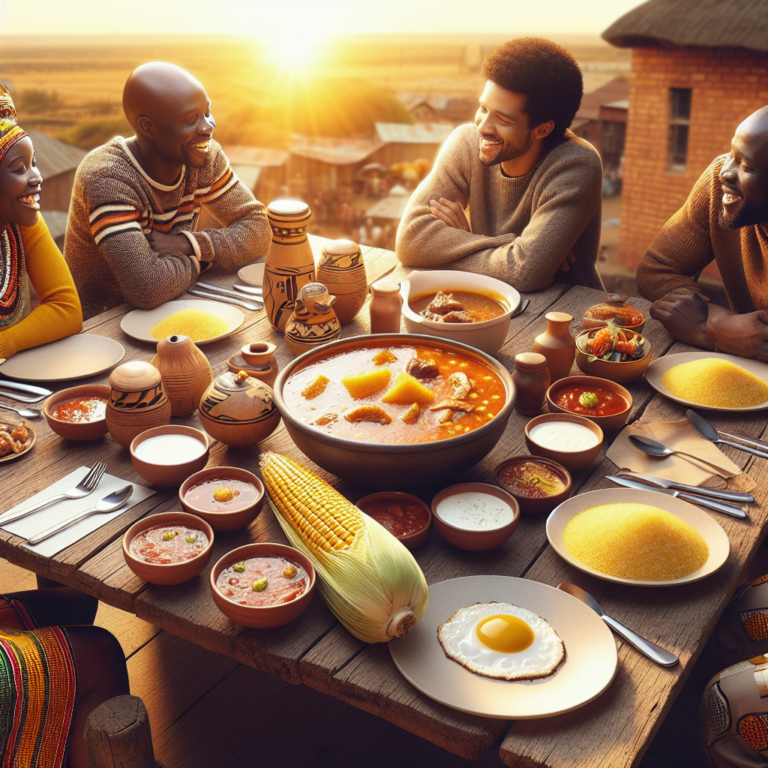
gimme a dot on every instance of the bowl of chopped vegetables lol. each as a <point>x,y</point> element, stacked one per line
<point>613,353</point>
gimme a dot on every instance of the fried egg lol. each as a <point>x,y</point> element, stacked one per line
<point>501,640</point>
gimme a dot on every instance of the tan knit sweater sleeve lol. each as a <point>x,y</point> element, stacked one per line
<point>683,247</point>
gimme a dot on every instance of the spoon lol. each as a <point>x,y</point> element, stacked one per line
<point>655,448</point>
<point>110,503</point>
<point>708,432</point>
<point>27,413</point>
<point>646,647</point>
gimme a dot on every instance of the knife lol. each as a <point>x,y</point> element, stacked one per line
<point>746,498</point>
<point>251,290</point>
<point>708,432</point>
<point>717,506</point>
<point>14,386</point>
<point>224,291</point>
<point>224,299</point>
<point>753,441</point>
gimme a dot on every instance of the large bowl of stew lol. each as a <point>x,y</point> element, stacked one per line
<point>394,411</point>
<point>461,306</point>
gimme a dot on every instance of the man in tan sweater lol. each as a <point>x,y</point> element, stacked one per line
<point>135,202</point>
<point>725,220</point>
<point>517,197</point>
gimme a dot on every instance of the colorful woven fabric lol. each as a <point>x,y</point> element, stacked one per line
<point>10,132</point>
<point>15,615</point>
<point>756,625</point>
<point>14,288</point>
<point>37,696</point>
<point>754,730</point>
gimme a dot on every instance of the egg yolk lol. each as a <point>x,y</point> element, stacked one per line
<point>505,634</point>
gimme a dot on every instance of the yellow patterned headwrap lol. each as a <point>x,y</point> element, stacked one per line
<point>10,132</point>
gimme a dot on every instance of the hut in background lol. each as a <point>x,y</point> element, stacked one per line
<point>58,164</point>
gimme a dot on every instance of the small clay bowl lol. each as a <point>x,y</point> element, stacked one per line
<point>87,430</point>
<point>262,617</point>
<point>172,573</point>
<point>222,522</point>
<point>169,474</point>
<point>476,540</point>
<point>607,423</point>
<point>620,373</point>
<point>531,504</point>
<point>573,461</point>
<point>410,540</point>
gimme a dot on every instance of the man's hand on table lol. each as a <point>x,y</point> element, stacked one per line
<point>449,212</point>
<point>165,244</point>
<point>744,335</point>
<point>684,313</point>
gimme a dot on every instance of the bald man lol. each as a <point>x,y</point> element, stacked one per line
<point>130,234</point>
<point>725,220</point>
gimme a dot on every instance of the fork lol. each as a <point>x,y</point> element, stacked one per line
<point>83,488</point>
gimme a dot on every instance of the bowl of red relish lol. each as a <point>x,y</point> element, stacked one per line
<point>78,413</point>
<point>538,484</point>
<point>405,516</point>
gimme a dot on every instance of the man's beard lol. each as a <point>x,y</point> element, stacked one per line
<point>511,153</point>
<point>746,216</point>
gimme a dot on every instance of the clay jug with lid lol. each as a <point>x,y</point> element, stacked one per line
<point>386,306</point>
<point>557,345</point>
<point>238,410</point>
<point>290,264</point>
<point>257,359</point>
<point>185,372</point>
<point>313,322</point>
<point>342,271</point>
<point>137,401</point>
<point>532,381</point>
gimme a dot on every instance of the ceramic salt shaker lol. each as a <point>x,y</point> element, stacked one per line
<point>557,345</point>
<point>342,271</point>
<point>532,381</point>
<point>185,373</point>
<point>313,322</point>
<point>386,306</point>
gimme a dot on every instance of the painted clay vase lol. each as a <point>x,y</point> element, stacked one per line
<point>137,401</point>
<point>557,345</point>
<point>313,322</point>
<point>532,381</point>
<point>257,360</point>
<point>386,306</point>
<point>185,372</point>
<point>238,410</point>
<point>290,263</point>
<point>342,271</point>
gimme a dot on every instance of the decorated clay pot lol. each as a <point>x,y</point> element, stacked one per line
<point>557,345</point>
<point>137,401</point>
<point>257,360</point>
<point>185,372</point>
<point>342,271</point>
<point>238,410</point>
<point>313,322</point>
<point>290,263</point>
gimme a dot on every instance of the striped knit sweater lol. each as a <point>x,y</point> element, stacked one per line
<point>522,228</point>
<point>115,204</point>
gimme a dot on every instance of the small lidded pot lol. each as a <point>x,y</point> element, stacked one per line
<point>238,410</point>
<point>532,381</point>
<point>386,304</point>
<point>257,359</point>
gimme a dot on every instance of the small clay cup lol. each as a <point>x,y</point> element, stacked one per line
<point>262,617</point>
<point>528,504</point>
<point>606,423</point>
<point>621,373</point>
<point>223,522</point>
<point>573,461</point>
<point>90,430</point>
<point>172,573</point>
<point>169,474</point>
<point>411,540</point>
<point>476,540</point>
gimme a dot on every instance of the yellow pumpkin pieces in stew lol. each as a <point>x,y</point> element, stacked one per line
<point>452,394</point>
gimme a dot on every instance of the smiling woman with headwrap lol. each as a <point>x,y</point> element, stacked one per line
<point>27,250</point>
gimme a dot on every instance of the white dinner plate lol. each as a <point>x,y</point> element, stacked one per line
<point>75,357</point>
<point>662,364</point>
<point>588,669</point>
<point>716,538</point>
<point>252,274</point>
<point>139,322</point>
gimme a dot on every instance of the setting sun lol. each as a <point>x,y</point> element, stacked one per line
<point>295,50</point>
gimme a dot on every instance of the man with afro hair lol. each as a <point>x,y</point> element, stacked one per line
<point>517,197</point>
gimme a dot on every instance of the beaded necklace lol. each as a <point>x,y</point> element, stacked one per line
<point>14,290</point>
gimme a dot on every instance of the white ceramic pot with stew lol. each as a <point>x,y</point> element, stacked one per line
<point>461,306</point>
<point>395,411</point>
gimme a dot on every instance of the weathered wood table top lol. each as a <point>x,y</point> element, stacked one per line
<point>612,731</point>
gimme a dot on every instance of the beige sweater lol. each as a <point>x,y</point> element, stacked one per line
<point>696,236</point>
<point>522,228</point>
<point>115,203</point>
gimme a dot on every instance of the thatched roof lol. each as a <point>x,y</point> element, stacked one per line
<point>693,23</point>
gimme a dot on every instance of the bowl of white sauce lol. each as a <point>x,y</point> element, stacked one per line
<point>169,454</point>
<point>570,440</point>
<point>475,516</point>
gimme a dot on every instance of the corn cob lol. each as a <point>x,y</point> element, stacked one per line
<point>368,578</point>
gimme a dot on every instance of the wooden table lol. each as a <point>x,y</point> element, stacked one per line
<point>315,650</point>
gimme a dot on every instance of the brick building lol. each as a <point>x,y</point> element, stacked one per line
<point>699,67</point>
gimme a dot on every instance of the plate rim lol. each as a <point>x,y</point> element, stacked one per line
<point>654,373</point>
<point>653,498</point>
<point>252,264</point>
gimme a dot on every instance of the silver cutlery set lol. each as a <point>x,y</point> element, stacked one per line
<point>23,393</point>
<point>246,296</point>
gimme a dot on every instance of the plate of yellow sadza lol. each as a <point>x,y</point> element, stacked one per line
<point>711,380</point>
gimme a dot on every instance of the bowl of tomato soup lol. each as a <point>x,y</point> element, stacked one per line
<point>263,585</point>
<point>604,402</point>
<point>228,498</point>
<point>168,548</point>
<point>405,516</point>
<point>78,413</point>
<point>395,411</point>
